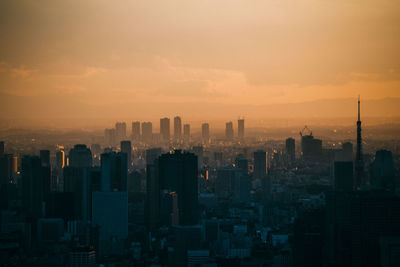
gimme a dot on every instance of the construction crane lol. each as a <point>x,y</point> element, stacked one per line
<point>305,130</point>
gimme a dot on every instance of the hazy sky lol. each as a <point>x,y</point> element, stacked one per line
<point>77,58</point>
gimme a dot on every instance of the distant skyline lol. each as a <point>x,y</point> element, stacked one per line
<point>205,60</point>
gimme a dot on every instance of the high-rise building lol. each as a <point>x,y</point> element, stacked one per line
<point>135,131</point>
<point>60,159</point>
<point>205,132</point>
<point>198,151</point>
<point>126,148</point>
<point>311,147</point>
<point>186,132</point>
<point>233,184</point>
<point>177,128</point>
<point>8,168</point>
<point>152,210</point>
<point>347,148</point>
<point>120,131</point>
<point>290,149</point>
<point>260,164</point>
<point>147,132</point>
<point>241,128</point>
<point>343,175</point>
<point>110,137</point>
<point>165,129</point>
<point>359,163</point>
<point>114,172</point>
<point>1,148</point>
<point>80,157</point>
<point>32,186</point>
<point>177,173</point>
<point>45,158</point>
<point>229,130</point>
<point>382,171</point>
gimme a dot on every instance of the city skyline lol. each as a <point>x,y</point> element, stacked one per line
<point>108,60</point>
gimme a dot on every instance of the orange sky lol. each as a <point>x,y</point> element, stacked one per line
<point>94,57</point>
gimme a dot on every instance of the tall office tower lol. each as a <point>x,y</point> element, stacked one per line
<point>359,163</point>
<point>126,148</point>
<point>260,164</point>
<point>382,170</point>
<point>46,172</point>
<point>1,148</point>
<point>120,131</point>
<point>80,157</point>
<point>32,186</point>
<point>242,163</point>
<point>147,132</point>
<point>241,128</point>
<point>109,137</point>
<point>347,148</point>
<point>8,168</point>
<point>233,184</point>
<point>165,129</point>
<point>77,183</point>
<point>343,176</point>
<point>229,130</point>
<point>152,210</point>
<point>310,147</point>
<point>60,159</point>
<point>177,128</point>
<point>114,172</point>
<point>136,131</point>
<point>291,149</point>
<point>45,158</point>
<point>186,132</point>
<point>198,151</point>
<point>110,215</point>
<point>177,173</point>
<point>205,132</point>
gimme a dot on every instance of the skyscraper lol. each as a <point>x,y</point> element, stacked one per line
<point>80,157</point>
<point>178,173</point>
<point>1,148</point>
<point>120,131</point>
<point>114,171</point>
<point>109,137</point>
<point>229,130</point>
<point>135,131</point>
<point>186,132</point>
<point>383,171</point>
<point>205,132</point>
<point>260,164</point>
<point>147,132</point>
<point>177,128</point>
<point>241,128</point>
<point>32,185</point>
<point>126,148</point>
<point>359,163</point>
<point>165,129</point>
<point>290,149</point>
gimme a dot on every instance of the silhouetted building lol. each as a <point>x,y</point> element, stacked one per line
<point>177,172</point>
<point>242,163</point>
<point>120,131</point>
<point>135,131</point>
<point>1,148</point>
<point>32,186</point>
<point>177,128</point>
<point>343,175</point>
<point>198,151</point>
<point>147,132</point>
<point>114,172</point>
<point>347,151</point>
<point>290,149</point>
<point>260,164</point>
<point>229,130</point>
<point>80,157</point>
<point>358,224</point>
<point>233,184</point>
<point>241,128</point>
<point>205,132</point>
<point>60,159</point>
<point>311,147</point>
<point>45,158</point>
<point>110,137</point>
<point>382,171</point>
<point>8,167</point>
<point>46,172</point>
<point>126,148</point>
<point>186,132</point>
<point>165,129</point>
